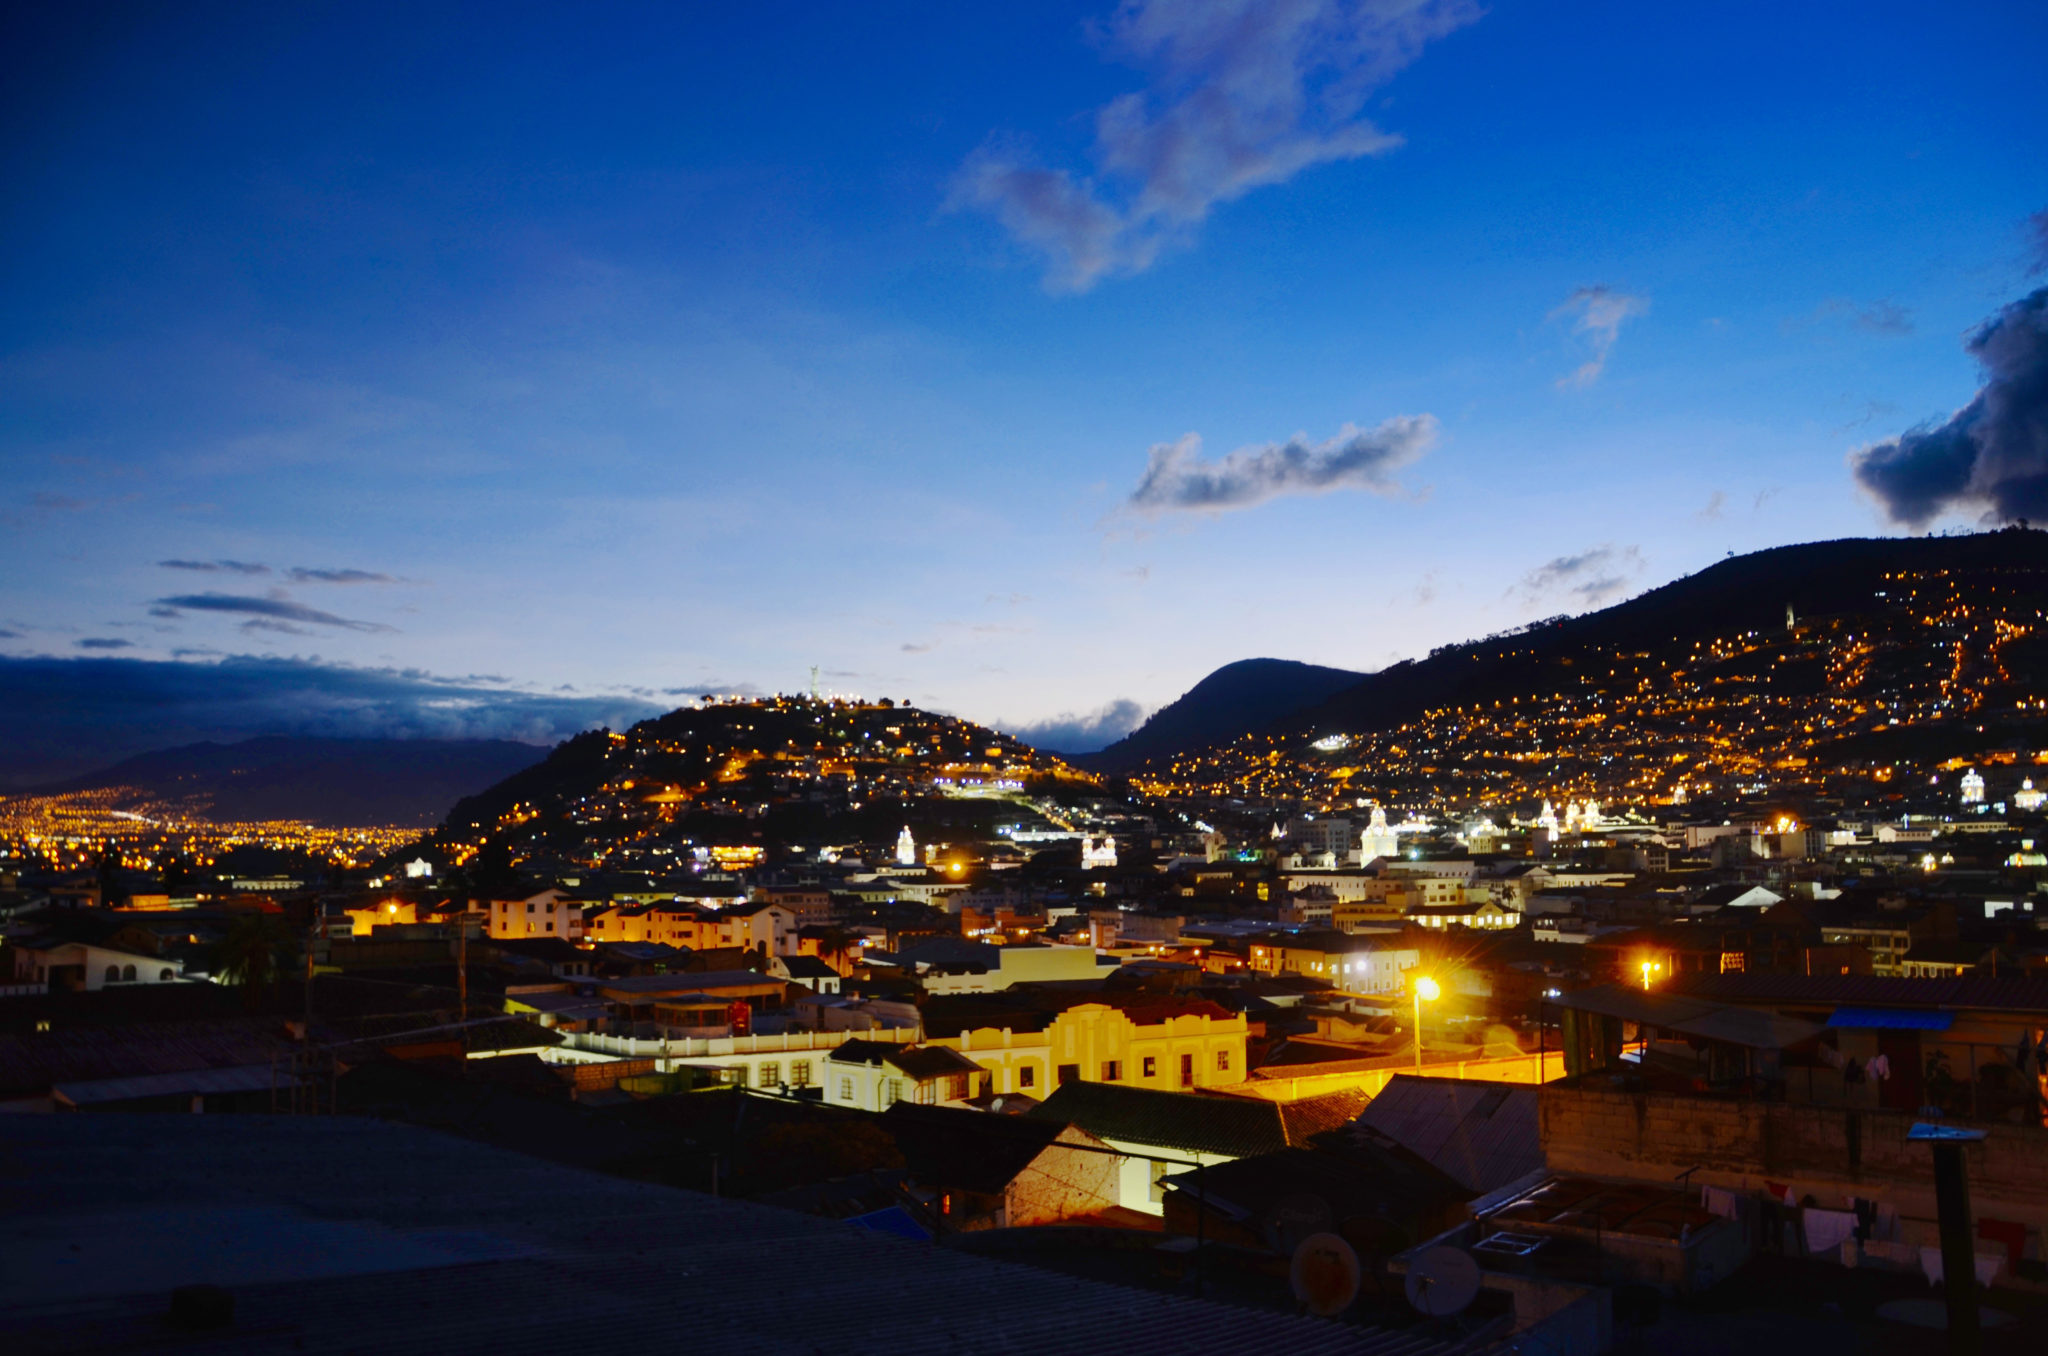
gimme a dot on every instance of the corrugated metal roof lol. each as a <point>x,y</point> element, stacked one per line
<point>246,1078</point>
<point>2006,993</point>
<point>1186,1122</point>
<point>541,1258</point>
<point>1753,1027</point>
<point>1483,1135</point>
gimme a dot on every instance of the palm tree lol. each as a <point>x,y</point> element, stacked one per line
<point>253,955</point>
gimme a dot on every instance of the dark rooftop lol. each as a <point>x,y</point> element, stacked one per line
<point>2007,993</point>
<point>336,1234</point>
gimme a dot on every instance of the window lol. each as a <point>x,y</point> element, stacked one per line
<point>169,974</point>
<point>1187,1071</point>
<point>771,1074</point>
<point>1027,1076</point>
<point>1151,1066</point>
<point>128,972</point>
<point>846,1089</point>
<point>892,1091</point>
<point>800,1073</point>
<point>113,974</point>
<point>928,1092</point>
<point>1222,1061</point>
<point>1112,1070</point>
<point>1068,1073</point>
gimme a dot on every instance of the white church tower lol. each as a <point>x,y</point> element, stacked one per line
<point>906,848</point>
<point>1379,839</point>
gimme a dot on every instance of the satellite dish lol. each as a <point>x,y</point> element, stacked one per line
<point>1324,1275</point>
<point>1443,1281</point>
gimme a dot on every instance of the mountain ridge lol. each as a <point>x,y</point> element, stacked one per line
<point>317,779</point>
<point>1747,592</point>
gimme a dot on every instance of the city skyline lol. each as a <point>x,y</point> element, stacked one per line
<point>627,358</point>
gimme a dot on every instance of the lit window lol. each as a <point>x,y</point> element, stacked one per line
<point>1112,1070</point>
<point>1222,1061</point>
<point>1151,1066</point>
<point>1026,1076</point>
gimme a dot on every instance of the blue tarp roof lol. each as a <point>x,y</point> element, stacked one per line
<point>893,1219</point>
<point>1893,1019</point>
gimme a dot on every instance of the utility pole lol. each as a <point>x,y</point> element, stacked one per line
<point>462,971</point>
<point>1958,1248</point>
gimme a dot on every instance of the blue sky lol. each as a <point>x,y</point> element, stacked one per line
<point>653,349</point>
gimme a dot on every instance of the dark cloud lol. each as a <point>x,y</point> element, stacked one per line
<point>1241,94</point>
<point>301,575</point>
<point>9,635</point>
<point>260,624</point>
<point>1085,732</point>
<point>215,566</point>
<point>1591,577</point>
<point>1356,459</point>
<point>715,690</point>
<point>1991,455</point>
<point>273,609</point>
<point>59,717</point>
<point>105,643</point>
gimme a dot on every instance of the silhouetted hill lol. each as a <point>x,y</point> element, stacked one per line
<point>1743,593</point>
<point>778,769</point>
<point>1236,699</point>
<point>1902,659</point>
<point>354,782</point>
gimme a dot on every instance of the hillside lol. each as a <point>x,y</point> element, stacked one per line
<point>1247,695</point>
<point>403,782</point>
<point>781,769</point>
<point>1893,643</point>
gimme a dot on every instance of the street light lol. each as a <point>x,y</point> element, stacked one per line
<point>1425,988</point>
<point>1649,968</point>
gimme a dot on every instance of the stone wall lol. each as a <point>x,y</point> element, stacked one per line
<point>1063,1182</point>
<point>1743,1144</point>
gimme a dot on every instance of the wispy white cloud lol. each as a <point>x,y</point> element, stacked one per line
<point>1241,94</point>
<point>1597,314</point>
<point>1884,317</point>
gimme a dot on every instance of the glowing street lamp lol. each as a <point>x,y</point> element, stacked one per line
<point>1425,988</point>
<point>1649,968</point>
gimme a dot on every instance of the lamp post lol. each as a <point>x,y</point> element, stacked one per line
<point>1649,968</point>
<point>1425,988</point>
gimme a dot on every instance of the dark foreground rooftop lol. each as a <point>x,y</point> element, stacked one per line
<point>342,1234</point>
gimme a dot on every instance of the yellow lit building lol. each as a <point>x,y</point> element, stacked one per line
<point>380,912</point>
<point>1162,1043</point>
